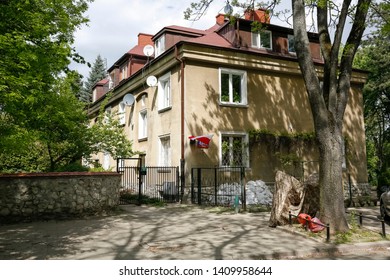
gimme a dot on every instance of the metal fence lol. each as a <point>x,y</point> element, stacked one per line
<point>218,186</point>
<point>143,184</point>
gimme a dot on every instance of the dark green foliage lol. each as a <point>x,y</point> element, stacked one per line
<point>375,57</point>
<point>97,73</point>
<point>43,125</point>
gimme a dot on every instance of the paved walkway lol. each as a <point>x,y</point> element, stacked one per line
<point>174,232</point>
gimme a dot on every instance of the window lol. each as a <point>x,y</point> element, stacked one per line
<point>160,45</point>
<point>122,113</point>
<point>164,91</point>
<point>233,86</point>
<point>262,39</point>
<point>111,81</point>
<point>234,150</point>
<point>94,95</point>
<point>291,41</point>
<point>107,115</point>
<point>123,72</point>
<point>165,151</point>
<point>143,125</point>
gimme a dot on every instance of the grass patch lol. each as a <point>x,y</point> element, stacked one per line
<point>356,233</point>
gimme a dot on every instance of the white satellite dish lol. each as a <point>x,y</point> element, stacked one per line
<point>151,81</point>
<point>148,50</point>
<point>128,99</point>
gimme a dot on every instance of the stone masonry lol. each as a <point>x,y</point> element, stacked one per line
<point>50,195</point>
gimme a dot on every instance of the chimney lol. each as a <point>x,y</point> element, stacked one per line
<point>220,19</point>
<point>260,15</point>
<point>145,39</point>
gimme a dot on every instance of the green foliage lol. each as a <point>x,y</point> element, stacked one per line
<point>107,135</point>
<point>35,47</point>
<point>374,57</point>
<point>97,73</point>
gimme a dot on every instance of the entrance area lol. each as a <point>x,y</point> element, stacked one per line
<point>141,184</point>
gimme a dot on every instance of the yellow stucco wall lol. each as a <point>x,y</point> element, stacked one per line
<point>277,102</point>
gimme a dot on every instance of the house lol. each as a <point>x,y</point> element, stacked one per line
<point>241,89</point>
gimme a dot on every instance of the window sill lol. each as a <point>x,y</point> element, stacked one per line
<point>164,109</point>
<point>245,106</point>
<point>143,139</point>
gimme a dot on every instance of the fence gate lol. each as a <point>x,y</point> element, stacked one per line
<point>218,186</point>
<point>143,184</point>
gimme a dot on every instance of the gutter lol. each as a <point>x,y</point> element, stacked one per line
<point>182,65</point>
<point>182,111</point>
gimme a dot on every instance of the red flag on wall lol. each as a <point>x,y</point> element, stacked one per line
<point>202,141</point>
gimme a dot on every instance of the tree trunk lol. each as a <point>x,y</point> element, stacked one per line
<point>332,209</point>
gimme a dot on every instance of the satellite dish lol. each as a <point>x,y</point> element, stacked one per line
<point>128,99</point>
<point>148,50</point>
<point>151,81</point>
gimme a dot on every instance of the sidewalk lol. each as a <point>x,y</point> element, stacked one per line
<point>173,232</point>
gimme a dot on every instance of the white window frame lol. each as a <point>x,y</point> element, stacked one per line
<point>245,147</point>
<point>111,81</point>
<point>122,113</point>
<point>160,45</point>
<point>124,71</point>
<point>107,114</point>
<point>244,81</point>
<point>143,125</point>
<point>291,49</point>
<point>165,151</point>
<point>257,42</point>
<point>164,92</point>
<point>94,94</point>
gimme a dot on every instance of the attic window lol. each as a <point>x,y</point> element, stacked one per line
<point>291,42</point>
<point>160,45</point>
<point>262,39</point>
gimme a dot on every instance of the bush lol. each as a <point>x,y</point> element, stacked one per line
<point>73,167</point>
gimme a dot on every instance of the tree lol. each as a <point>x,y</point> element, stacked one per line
<point>35,47</point>
<point>43,126</point>
<point>328,102</point>
<point>97,73</point>
<point>61,135</point>
<point>375,57</point>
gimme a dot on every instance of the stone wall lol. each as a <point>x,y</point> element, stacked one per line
<point>51,195</point>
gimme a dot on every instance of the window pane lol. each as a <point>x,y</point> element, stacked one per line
<point>224,87</point>
<point>166,92</point>
<point>265,39</point>
<point>291,47</point>
<point>236,88</point>
<point>255,39</point>
<point>165,151</point>
<point>225,151</point>
<point>237,150</point>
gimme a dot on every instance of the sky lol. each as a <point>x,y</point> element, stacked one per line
<point>115,24</point>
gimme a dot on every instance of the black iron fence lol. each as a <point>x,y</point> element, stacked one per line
<point>218,186</point>
<point>360,217</point>
<point>142,184</point>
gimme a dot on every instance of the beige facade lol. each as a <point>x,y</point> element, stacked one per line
<point>188,99</point>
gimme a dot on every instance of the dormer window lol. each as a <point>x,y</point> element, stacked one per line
<point>123,72</point>
<point>160,45</point>
<point>262,39</point>
<point>291,42</point>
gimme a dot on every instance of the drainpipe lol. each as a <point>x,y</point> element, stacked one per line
<point>182,160</point>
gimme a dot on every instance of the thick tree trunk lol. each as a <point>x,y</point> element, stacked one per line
<point>332,209</point>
